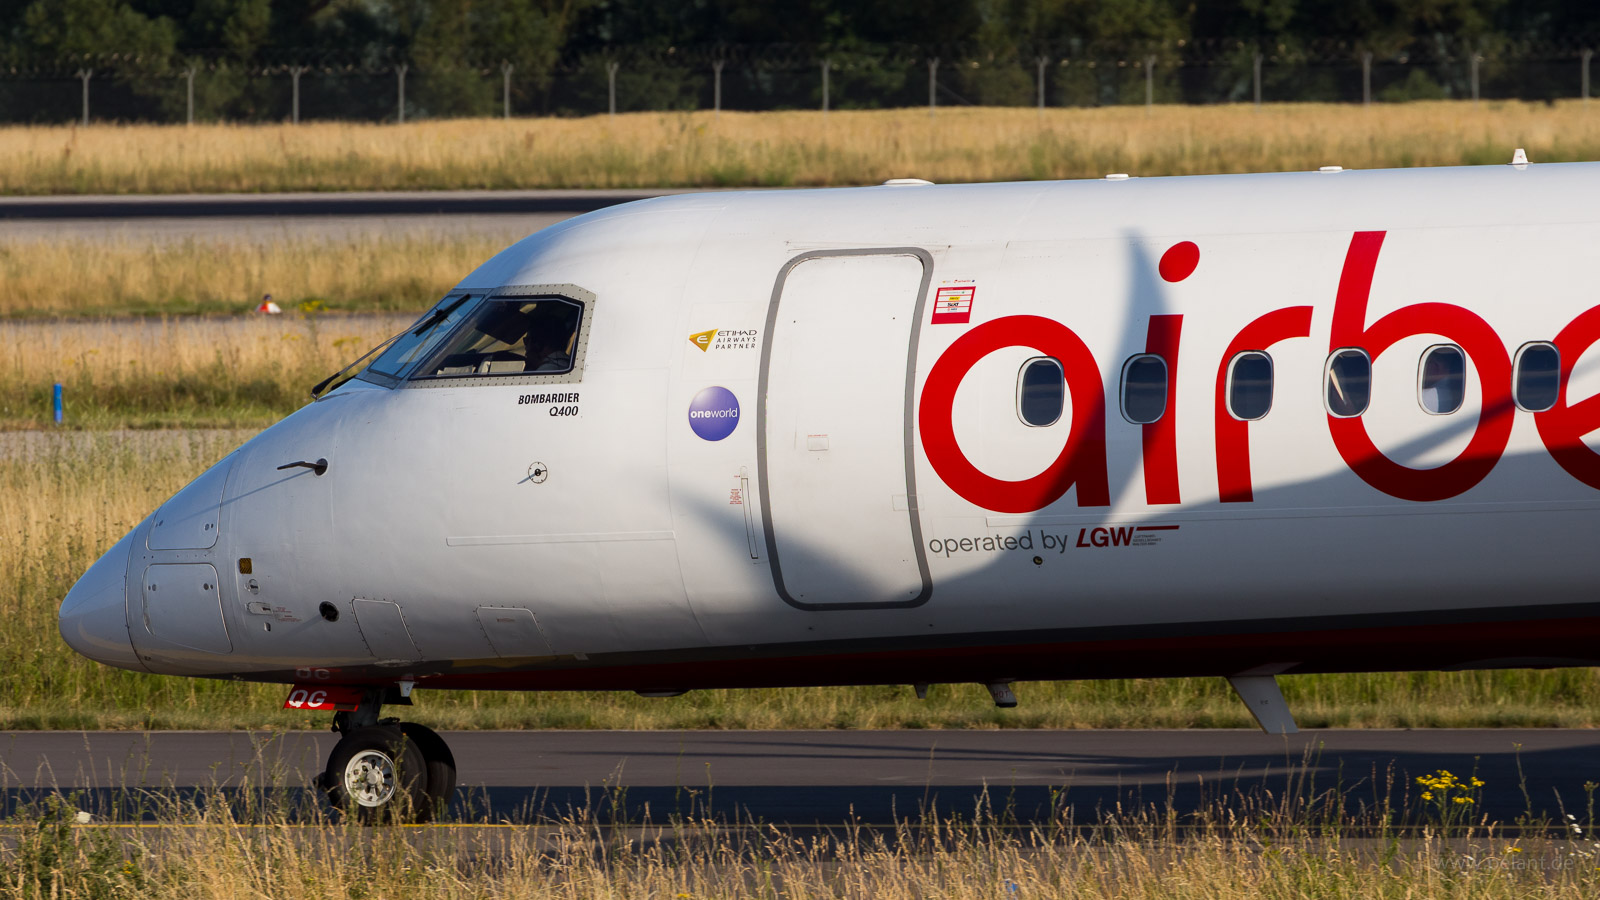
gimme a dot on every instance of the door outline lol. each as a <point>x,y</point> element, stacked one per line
<point>908,426</point>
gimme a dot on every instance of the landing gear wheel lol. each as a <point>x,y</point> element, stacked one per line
<point>441,768</point>
<point>379,775</point>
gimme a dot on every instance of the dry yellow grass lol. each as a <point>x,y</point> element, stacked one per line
<point>60,507</point>
<point>785,148</point>
<point>207,371</point>
<point>228,275</point>
<point>217,846</point>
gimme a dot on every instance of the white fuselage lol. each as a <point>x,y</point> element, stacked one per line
<point>870,505</point>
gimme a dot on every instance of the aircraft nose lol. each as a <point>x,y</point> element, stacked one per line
<point>93,618</point>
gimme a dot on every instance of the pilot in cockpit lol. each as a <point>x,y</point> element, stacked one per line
<point>546,345</point>
<point>513,336</point>
<point>506,326</point>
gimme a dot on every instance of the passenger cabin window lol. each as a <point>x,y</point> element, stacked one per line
<point>1144,389</point>
<point>1536,377</point>
<point>510,336</point>
<point>1349,377</point>
<point>1250,385</point>
<point>1041,392</point>
<point>1442,379</point>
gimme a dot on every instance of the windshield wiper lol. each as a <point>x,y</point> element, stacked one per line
<point>316,391</point>
<point>439,315</point>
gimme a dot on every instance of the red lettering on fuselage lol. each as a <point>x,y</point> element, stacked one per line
<point>1233,435</point>
<point>1082,462</point>
<point>1468,331</point>
<point>1563,426</point>
<point>1160,438</point>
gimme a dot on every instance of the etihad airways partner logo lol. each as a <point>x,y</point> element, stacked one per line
<point>724,339</point>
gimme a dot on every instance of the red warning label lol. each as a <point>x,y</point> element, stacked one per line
<point>953,305</point>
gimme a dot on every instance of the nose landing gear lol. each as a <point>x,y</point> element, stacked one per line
<point>379,775</point>
<point>387,771</point>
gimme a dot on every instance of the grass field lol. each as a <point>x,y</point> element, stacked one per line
<point>46,279</point>
<point>200,372</point>
<point>64,498</point>
<point>785,148</point>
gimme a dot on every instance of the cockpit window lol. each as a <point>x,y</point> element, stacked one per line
<point>415,341</point>
<point>510,336</point>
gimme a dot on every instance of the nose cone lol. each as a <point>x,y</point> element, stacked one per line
<point>94,620</point>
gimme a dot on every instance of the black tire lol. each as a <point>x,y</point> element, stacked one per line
<point>378,775</point>
<point>441,765</point>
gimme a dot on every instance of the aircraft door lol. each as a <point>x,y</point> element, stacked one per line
<point>834,423</point>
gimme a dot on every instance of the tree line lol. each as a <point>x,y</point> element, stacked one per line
<point>560,55</point>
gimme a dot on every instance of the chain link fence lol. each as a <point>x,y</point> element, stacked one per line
<point>292,87</point>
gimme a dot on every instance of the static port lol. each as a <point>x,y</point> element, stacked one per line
<point>1038,560</point>
<point>329,611</point>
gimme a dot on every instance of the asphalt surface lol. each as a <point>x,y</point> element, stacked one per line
<point>829,777</point>
<point>353,203</point>
<point>506,228</point>
<point>266,217</point>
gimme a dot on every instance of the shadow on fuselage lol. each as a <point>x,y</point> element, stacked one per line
<point>1286,581</point>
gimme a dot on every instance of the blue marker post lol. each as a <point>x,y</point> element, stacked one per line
<point>60,409</point>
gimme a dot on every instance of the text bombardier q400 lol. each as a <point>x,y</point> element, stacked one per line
<point>1232,425</point>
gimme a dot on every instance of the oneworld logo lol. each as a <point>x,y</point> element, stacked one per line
<point>714,413</point>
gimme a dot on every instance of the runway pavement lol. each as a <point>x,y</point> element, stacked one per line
<point>810,777</point>
<point>266,217</point>
<point>351,203</point>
